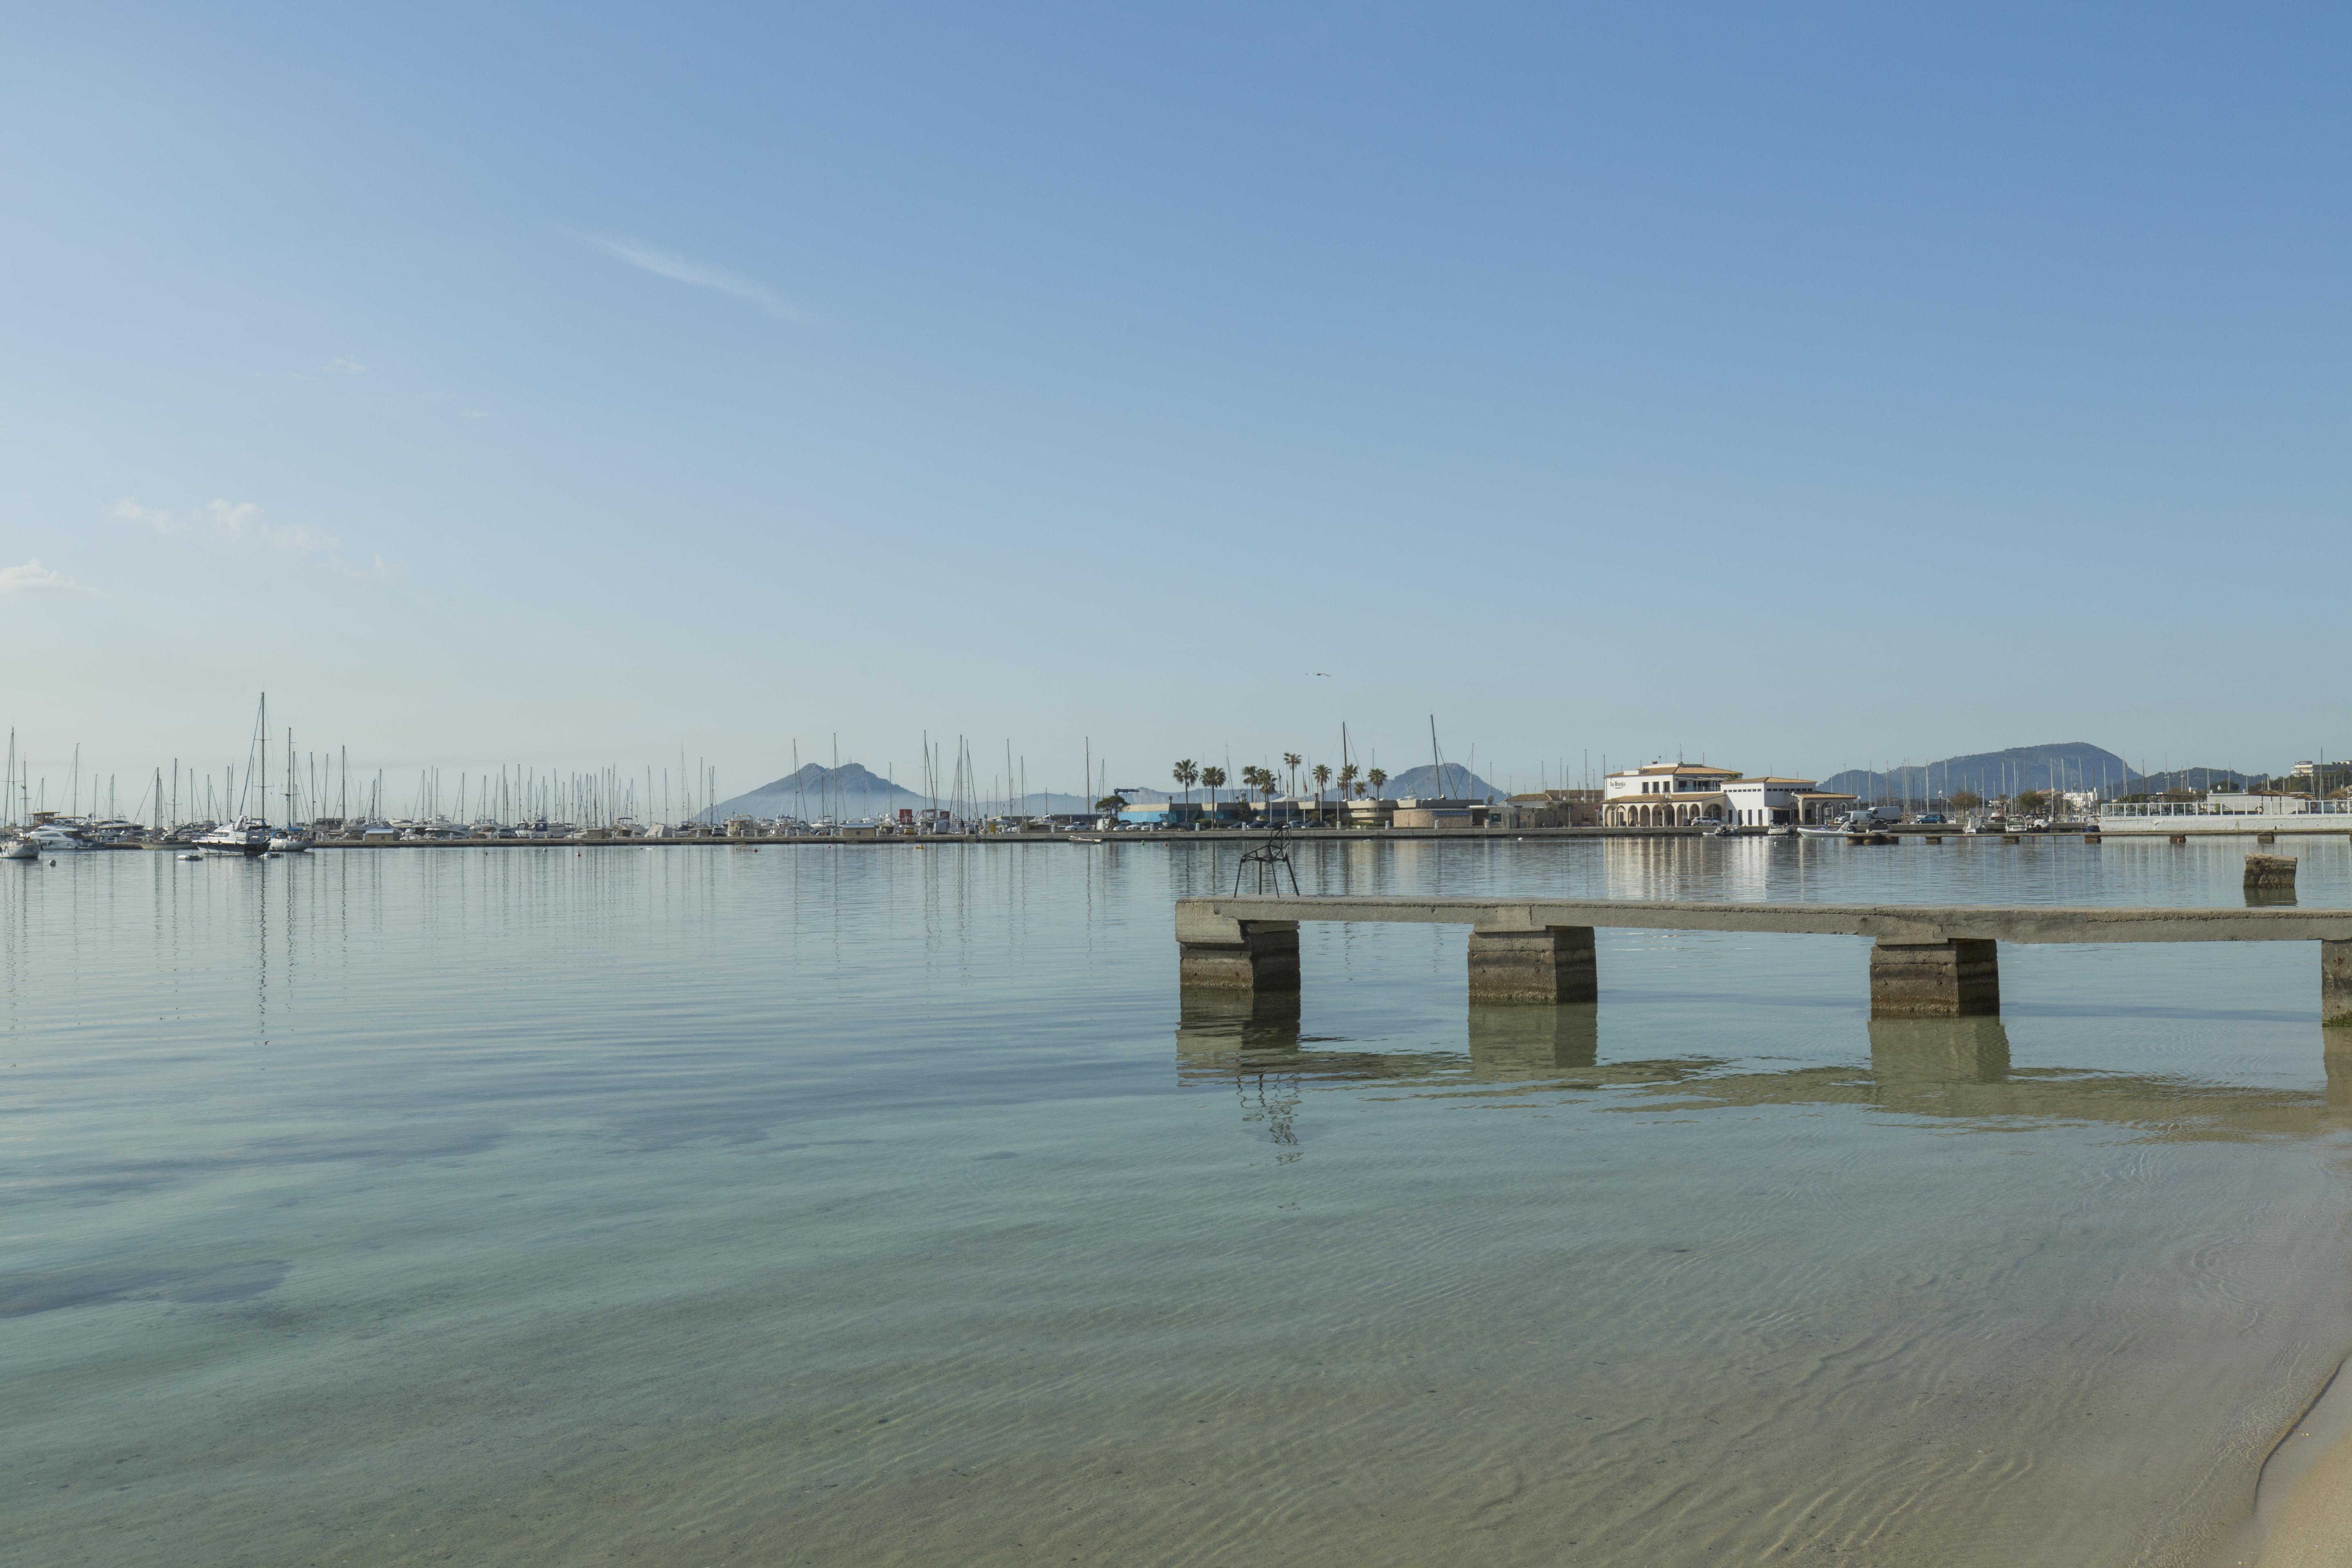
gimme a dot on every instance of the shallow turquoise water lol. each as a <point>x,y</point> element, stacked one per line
<point>880,1206</point>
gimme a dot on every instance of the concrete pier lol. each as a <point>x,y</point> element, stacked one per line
<point>1930,961</point>
<point>1551,964</point>
<point>1954,979</point>
<point>1217,954</point>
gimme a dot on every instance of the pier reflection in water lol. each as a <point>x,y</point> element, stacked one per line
<point>1947,1067</point>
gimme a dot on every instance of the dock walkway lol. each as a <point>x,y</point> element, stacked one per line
<point>1929,960</point>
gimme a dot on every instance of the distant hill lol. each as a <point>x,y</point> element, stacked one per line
<point>853,789</point>
<point>849,790</point>
<point>1422,783</point>
<point>2069,765</point>
<point>2073,765</point>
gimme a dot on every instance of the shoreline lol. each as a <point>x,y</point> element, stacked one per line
<point>2302,1515</point>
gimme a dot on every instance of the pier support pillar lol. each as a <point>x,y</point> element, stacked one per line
<point>1244,956</point>
<point>1549,965</point>
<point>1956,979</point>
<point>2335,984</point>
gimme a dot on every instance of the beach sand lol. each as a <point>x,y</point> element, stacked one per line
<point>2303,1505</point>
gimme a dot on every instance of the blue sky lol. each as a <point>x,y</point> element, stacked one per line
<point>1803,386</point>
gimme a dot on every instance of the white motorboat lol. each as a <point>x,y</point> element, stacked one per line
<point>289,843</point>
<point>1838,830</point>
<point>247,835</point>
<point>20,847</point>
<point>58,838</point>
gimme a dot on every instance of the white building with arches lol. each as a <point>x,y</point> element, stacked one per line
<point>1664,795</point>
<point>1692,794</point>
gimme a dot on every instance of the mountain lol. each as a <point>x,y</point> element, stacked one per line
<point>1422,783</point>
<point>853,789</point>
<point>849,790</point>
<point>2068,765</point>
<point>2072,764</point>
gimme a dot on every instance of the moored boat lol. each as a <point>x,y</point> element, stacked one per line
<point>247,835</point>
<point>56,837</point>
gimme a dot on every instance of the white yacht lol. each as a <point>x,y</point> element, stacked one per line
<point>293,841</point>
<point>19,846</point>
<point>59,838</point>
<point>247,835</point>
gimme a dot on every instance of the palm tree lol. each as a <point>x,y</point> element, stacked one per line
<point>1348,780</point>
<point>1291,759</point>
<point>1251,773</point>
<point>1187,774</point>
<point>1268,781</point>
<point>1376,777</point>
<point>1322,777</point>
<point>1212,776</point>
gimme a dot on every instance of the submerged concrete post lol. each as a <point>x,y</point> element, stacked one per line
<point>1514,1041</point>
<point>2336,984</point>
<point>1913,1057</point>
<point>1217,954</point>
<point>1954,979</point>
<point>1550,964</point>
<point>1220,1030</point>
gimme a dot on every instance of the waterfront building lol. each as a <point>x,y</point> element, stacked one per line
<point>1664,795</point>
<point>1433,812</point>
<point>1548,808</point>
<point>1689,794</point>
<point>1772,802</point>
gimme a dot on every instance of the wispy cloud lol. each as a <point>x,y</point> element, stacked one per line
<point>374,568</point>
<point>130,510</point>
<point>341,365</point>
<point>33,577</point>
<point>679,269</point>
<point>239,522</point>
<point>230,522</point>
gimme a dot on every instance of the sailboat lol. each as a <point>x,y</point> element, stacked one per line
<point>15,843</point>
<point>290,839</point>
<point>247,835</point>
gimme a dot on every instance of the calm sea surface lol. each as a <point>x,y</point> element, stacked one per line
<point>877,1205</point>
